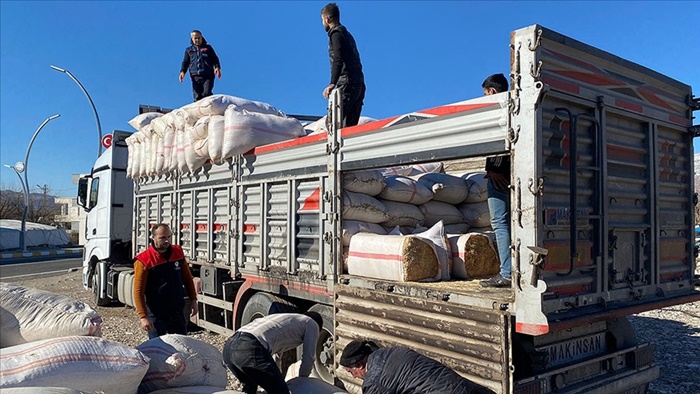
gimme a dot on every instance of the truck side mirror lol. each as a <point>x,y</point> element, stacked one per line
<point>82,193</point>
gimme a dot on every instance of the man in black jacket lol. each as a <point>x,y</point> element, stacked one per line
<point>203,64</point>
<point>400,370</point>
<point>346,67</point>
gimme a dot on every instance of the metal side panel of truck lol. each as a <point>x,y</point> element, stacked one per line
<point>601,154</point>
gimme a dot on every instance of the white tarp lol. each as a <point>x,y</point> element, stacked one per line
<point>36,235</point>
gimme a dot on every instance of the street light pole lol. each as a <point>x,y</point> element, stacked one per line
<point>26,182</point>
<point>94,110</point>
<point>26,193</point>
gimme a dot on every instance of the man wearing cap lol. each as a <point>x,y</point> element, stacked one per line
<point>401,370</point>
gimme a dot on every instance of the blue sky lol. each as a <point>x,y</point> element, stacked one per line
<point>415,55</point>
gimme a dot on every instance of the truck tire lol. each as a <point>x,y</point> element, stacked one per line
<point>96,287</point>
<point>325,356</point>
<point>263,304</point>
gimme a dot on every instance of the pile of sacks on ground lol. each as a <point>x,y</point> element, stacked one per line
<point>212,129</point>
<point>50,343</point>
<point>417,223</point>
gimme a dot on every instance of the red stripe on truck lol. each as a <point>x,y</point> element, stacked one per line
<point>531,329</point>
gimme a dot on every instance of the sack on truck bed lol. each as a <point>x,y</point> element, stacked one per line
<point>392,257</point>
<point>28,315</point>
<point>446,188</point>
<point>358,206</point>
<point>81,363</point>
<point>245,130</point>
<point>370,182</point>
<point>181,361</point>
<point>474,255</point>
<point>404,189</point>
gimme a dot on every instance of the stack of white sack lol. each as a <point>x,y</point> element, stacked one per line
<point>406,201</point>
<point>89,364</point>
<point>28,315</point>
<point>185,139</point>
<point>181,361</point>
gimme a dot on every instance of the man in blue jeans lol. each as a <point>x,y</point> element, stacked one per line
<point>498,175</point>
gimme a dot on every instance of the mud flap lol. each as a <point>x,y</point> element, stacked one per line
<point>529,318</point>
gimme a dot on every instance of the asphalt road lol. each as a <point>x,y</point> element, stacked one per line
<point>47,267</point>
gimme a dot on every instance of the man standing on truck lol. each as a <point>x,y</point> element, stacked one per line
<point>248,353</point>
<point>203,64</point>
<point>401,370</point>
<point>160,272</point>
<point>498,175</point>
<point>346,67</point>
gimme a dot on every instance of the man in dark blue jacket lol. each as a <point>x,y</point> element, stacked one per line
<point>346,67</point>
<point>400,370</point>
<point>203,64</point>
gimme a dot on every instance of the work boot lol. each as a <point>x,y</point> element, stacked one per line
<point>496,281</point>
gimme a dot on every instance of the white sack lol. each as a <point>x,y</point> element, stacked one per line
<point>201,127</point>
<point>370,182</point>
<point>245,130</point>
<point>402,214</point>
<point>143,155</point>
<point>81,363</point>
<point>41,390</point>
<point>476,184</point>
<point>302,385</point>
<point>446,188</point>
<point>435,211</point>
<point>404,189</point>
<point>413,170</point>
<point>142,120</point>
<point>159,144</point>
<point>28,315</point>
<point>182,119</point>
<point>476,214</point>
<point>456,228</point>
<point>181,361</point>
<point>131,156</point>
<point>161,123</point>
<point>352,227</point>
<point>194,160</point>
<point>357,206</point>
<point>180,142</point>
<point>218,103</point>
<point>169,147</point>
<point>392,257</point>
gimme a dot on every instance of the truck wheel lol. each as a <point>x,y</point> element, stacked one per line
<point>325,355</point>
<point>96,289</point>
<point>263,304</point>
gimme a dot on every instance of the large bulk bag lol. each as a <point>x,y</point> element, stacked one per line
<point>245,130</point>
<point>28,315</point>
<point>474,255</point>
<point>352,227</point>
<point>358,206</point>
<point>181,361</point>
<point>89,364</point>
<point>476,183</point>
<point>218,103</point>
<point>370,182</point>
<point>143,120</point>
<point>446,188</point>
<point>392,257</point>
<point>402,214</point>
<point>476,214</point>
<point>302,385</point>
<point>435,211</point>
<point>404,189</point>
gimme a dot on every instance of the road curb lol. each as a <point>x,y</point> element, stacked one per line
<point>40,253</point>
